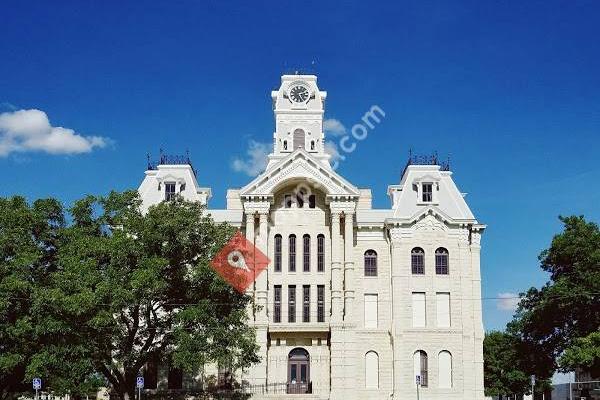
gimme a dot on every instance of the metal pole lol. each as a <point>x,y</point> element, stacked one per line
<point>570,391</point>
<point>36,394</point>
<point>418,391</point>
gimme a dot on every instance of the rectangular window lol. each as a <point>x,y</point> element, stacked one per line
<point>169,191</point>
<point>321,303</point>
<point>443,309</point>
<point>300,199</point>
<point>371,311</point>
<point>277,261</point>
<point>292,256</point>
<point>418,308</point>
<point>312,201</point>
<point>427,192</point>
<point>306,303</point>
<point>292,303</point>
<point>306,253</point>
<point>321,253</point>
<point>277,304</point>
<point>287,201</point>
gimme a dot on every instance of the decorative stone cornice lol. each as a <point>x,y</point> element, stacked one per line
<point>256,207</point>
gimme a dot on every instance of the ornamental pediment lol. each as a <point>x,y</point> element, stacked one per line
<point>303,168</point>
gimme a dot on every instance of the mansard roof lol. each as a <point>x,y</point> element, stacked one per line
<point>300,165</point>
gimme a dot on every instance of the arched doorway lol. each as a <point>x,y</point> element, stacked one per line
<point>298,372</point>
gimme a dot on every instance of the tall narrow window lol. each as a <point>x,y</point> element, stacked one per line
<point>427,192</point>
<point>312,201</point>
<point>306,303</point>
<point>371,370</point>
<point>441,261</point>
<point>417,260</point>
<point>321,303</point>
<point>321,253</point>
<point>292,303</point>
<point>370,263</point>
<point>169,191</point>
<point>420,367</point>
<point>277,304</point>
<point>443,309</point>
<point>292,256</point>
<point>285,146</point>
<point>445,370</point>
<point>306,253</point>
<point>287,200</point>
<point>175,378</point>
<point>277,260</point>
<point>418,309</point>
<point>300,199</point>
<point>371,311</point>
<point>299,139</point>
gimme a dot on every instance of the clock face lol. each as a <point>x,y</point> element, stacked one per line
<point>299,94</point>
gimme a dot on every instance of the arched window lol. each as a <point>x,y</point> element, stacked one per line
<point>441,261</point>
<point>292,253</point>
<point>277,261</point>
<point>417,261</point>
<point>370,263</point>
<point>312,145</point>
<point>298,372</point>
<point>371,370</point>
<point>299,139</point>
<point>420,367</point>
<point>445,369</point>
<point>321,253</point>
<point>306,253</point>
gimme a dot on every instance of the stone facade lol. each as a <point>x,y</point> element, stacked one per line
<point>377,296</point>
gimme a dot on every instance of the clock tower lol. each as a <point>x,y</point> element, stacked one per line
<point>299,106</point>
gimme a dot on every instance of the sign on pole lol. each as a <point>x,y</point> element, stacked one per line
<point>140,382</point>
<point>418,379</point>
<point>37,383</point>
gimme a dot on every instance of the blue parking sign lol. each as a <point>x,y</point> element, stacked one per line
<point>37,383</point>
<point>140,382</point>
<point>418,379</point>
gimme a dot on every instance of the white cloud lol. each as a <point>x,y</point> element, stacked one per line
<point>30,130</point>
<point>508,301</point>
<point>332,149</point>
<point>256,160</point>
<point>333,127</point>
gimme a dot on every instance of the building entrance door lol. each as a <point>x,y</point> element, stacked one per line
<point>299,372</point>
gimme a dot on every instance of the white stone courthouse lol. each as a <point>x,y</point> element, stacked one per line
<point>357,303</point>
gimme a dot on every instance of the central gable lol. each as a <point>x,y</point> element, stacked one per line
<point>299,166</point>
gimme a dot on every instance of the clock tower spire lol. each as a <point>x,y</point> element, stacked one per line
<point>299,106</point>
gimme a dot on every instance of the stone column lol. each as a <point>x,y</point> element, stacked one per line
<point>250,238</point>
<point>262,279</point>
<point>348,266</point>
<point>336,268</point>
<point>402,357</point>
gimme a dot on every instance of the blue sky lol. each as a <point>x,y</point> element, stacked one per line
<point>509,90</point>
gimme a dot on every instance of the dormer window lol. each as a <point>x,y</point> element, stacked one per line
<point>427,192</point>
<point>169,191</point>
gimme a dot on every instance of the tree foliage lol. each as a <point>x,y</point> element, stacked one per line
<point>113,290</point>
<point>552,319</point>
<point>503,369</point>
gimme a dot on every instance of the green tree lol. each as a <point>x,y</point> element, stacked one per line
<point>504,372</point>
<point>584,354</point>
<point>552,320</point>
<point>28,236</point>
<point>133,287</point>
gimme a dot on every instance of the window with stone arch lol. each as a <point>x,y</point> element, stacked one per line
<point>421,367</point>
<point>370,263</point>
<point>277,261</point>
<point>445,369</point>
<point>441,261</point>
<point>417,261</point>
<point>371,370</point>
<point>299,139</point>
<point>292,253</point>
